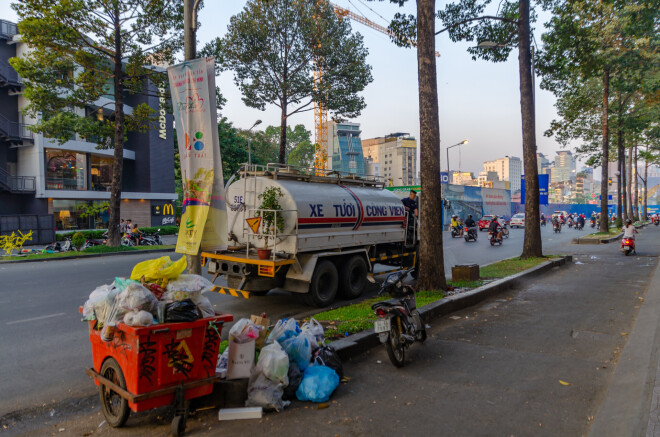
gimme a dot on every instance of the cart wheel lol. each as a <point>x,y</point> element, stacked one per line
<point>115,408</point>
<point>178,426</point>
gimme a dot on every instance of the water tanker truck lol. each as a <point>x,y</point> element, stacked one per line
<point>314,233</point>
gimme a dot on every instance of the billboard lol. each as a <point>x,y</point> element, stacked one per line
<point>544,182</point>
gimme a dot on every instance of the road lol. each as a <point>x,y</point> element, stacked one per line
<point>45,346</point>
<point>537,360</point>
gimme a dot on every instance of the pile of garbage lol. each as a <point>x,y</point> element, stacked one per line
<point>293,363</point>
<point>157,292</point>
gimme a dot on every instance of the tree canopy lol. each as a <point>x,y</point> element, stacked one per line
<point>275,47</point>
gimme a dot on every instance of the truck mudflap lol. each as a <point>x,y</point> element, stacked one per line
<point>231,292</point>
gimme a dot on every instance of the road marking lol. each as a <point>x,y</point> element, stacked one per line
<point>36,318</point>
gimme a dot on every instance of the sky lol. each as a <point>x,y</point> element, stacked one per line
<point>478,100</point>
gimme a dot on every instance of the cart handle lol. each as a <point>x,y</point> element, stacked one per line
<point>156,331</point>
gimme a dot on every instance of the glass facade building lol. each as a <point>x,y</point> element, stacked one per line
<point>346,147</point>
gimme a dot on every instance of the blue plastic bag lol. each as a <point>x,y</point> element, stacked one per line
<point>299,350</point>
<point>318,384</point>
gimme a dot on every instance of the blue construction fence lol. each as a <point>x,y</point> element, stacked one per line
<point>579,208</point>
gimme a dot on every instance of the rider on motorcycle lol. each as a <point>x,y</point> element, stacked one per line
<point>455,224</point>
<point>495,228</point>
<point>556,222</point>
<point>470,224</point>
<point>629,230</point>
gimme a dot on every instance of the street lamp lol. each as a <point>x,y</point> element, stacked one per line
<point>455,145</point>
<point>258,122</point>
<point>495,45</point>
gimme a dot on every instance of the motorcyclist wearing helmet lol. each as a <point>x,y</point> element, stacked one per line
<point>495,227</point>
<point>455,224</point>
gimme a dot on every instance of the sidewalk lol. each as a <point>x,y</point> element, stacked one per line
<point>542,360</point>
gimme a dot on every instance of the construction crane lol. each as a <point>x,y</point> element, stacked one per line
<point>320,110</point>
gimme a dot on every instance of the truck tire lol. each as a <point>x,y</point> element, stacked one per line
<point>323,287</point>
<point>353,278</point>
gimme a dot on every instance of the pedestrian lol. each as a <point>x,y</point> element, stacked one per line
<point>129,227</point>
<point>122,226</point>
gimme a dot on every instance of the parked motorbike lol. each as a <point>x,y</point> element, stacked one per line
<point>92,243</point>
<point>470,234</point>
<point>64,246</point>
<point>151,239</point>
<point>494,239</point>
<point>399,324</point>
<point>627,246</point>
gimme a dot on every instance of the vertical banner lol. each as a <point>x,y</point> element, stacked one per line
<point>544,181</point>
<point>192,86</point>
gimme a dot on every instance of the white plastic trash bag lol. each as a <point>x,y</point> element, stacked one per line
<point>244,331</point>
<point>314,328</point>
<point>262,392</point>
<point>190,283</point>
<point>274,363</point>
<point>205,306</point>
<point>283,330</point>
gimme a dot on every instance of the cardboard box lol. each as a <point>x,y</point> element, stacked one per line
<point>261,321</point>
<point>241,360</point>
<point>465,273</point>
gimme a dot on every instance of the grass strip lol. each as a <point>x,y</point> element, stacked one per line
<point>347,320</point>
<point>88,251</point>
<point>601,235</point>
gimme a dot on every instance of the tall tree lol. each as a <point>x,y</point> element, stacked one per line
<point>597,39</point>
<point>275,46</point>
<point>431,256</point>
<point>299,147</point>
<point>84,51</point>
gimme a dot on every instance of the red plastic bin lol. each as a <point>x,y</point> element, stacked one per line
<point>162,356</point>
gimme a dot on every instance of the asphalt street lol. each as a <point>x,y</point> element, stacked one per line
<point>46,348</point>
<point>536,360</point>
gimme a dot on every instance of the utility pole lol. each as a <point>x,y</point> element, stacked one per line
<point>190,52</point>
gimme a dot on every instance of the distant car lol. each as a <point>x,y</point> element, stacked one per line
<point>484,221</point>
<point>518,221</point>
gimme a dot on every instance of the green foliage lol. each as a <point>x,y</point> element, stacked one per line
<point>107,249</point>
<point>92,209</point>
<point>98,234</point>
<point>78,240</point>
<point>270,200</point>
<point>272,48</point>
<point>510,267</point>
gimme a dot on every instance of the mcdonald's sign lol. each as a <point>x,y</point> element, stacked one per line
<point>168,209</point>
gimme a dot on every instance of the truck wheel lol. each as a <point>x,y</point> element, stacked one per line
<point>323,288</point>
<point>354,277</point>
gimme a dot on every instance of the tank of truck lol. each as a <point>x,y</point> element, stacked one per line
<point>318,215</point>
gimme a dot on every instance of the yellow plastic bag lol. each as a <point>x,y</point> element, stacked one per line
<point>160,268</point>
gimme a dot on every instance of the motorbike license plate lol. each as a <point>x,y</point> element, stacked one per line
<point>382,325</point>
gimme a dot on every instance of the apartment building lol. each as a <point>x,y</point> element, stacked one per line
<point>508,169</point>
<point>40,176</point>
<point>395,156</point>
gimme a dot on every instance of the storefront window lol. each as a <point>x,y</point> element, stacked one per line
<point>68,214</point>
<point>65,170</point>
<point>101,173</point>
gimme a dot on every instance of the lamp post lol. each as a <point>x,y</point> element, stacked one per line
<point>455,145</point>
<point>258,122</point>
<point>494,45</point>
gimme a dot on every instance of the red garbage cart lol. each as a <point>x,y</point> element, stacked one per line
<point>149,367</point>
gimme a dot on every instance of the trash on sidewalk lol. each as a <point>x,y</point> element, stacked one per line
<point>319,382</point>
<point>240,413</point>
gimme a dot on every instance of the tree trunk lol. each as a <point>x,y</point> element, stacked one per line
<point>194,262</point>
<point>114,235</point>
<point>282,156</point>
<point>431,257</point>
<point>532,245</point>
<point>624,187</point>
<point>619,161</point>
<point>646,187</point>
<point>604,218</point>
<point>189,34</point>
<point>629,185</point>
<point>636,176</point>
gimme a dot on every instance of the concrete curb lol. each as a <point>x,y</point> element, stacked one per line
<point>92,255</point>
<point>633,392</point>
<point>585,240</point>
<point>362,341</point>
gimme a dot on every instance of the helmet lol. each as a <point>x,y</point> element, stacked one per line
<point>469,215</point>
<point>628,222</point>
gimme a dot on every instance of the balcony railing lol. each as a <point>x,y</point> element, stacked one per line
<point>14,131</point>
<point>17,184</point>
<point>8,75</point>
<point>8,29</point>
